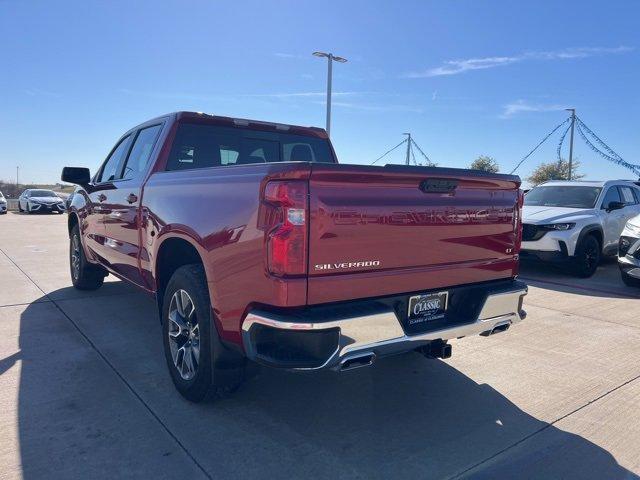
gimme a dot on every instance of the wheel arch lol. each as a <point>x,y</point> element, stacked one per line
<point>173,252</point>
<point>596,231</point>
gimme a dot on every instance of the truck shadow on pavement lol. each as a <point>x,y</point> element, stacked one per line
<point>96,401</point>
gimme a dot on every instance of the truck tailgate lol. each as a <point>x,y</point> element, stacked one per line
<point>378,231</point>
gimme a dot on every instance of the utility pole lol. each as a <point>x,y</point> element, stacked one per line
<point>330,59</point>
<point>573,123</point>
<point>17,175</point>
<point>408,147</point>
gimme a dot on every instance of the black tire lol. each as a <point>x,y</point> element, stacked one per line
<point>206,380</point>
<point>19,208</point>
<point>84,275</point>
<point>629,281</point>
<point>587,257</point>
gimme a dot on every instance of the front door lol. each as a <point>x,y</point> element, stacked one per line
<point>93,220</point>
<point>122,208</point>
<point>614,220</point>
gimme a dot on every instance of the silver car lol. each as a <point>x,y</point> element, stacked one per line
<point>37,200</point>
<point>3,204</point>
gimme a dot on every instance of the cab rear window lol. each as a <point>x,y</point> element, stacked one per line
<point>202,146</point>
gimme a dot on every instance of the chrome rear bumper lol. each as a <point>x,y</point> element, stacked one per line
<point>380,332</point>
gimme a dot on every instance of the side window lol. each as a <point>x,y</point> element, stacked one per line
<point>141,151</point>
<point>111,168</point>
<point>627,196</point>
<point>612,195</point>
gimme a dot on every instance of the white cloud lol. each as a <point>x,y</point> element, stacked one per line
<point>285,55</point>
<point>454,67</point>
<point>300,94</point>
<point>37,92</point>
<point>374,108</point>
<point>521,106</point>
<point>206,97</point>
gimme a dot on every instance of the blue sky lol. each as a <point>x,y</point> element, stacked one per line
<point>465,77</point>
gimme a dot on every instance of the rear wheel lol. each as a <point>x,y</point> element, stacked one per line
<point>628,280</point>
<point>587,257</point>
<point>191,347</point>
<point>84,275</point>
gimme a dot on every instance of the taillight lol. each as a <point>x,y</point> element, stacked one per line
<point>287,237</point>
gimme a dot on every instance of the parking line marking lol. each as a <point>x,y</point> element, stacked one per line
<point>112,367</point>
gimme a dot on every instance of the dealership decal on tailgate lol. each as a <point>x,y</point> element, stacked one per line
<point>426,308</point>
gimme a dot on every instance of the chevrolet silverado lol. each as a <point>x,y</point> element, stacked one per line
<point>261,249</point>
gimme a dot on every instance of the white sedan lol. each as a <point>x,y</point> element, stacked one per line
<point>36,200</point>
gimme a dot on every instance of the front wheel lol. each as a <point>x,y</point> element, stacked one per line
<point>84,275</point>
<point>20,207</point>
<point>587,257</point>
<point>189,343</point>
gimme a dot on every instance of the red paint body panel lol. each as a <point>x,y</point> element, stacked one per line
<point>218,210</point>
<point>406,239</point>
<point>412,240</point>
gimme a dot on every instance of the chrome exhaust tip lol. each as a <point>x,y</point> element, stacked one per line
<point>501,327</point>
<point>357,361</point>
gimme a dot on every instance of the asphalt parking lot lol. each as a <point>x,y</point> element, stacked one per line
<point>84,391</point>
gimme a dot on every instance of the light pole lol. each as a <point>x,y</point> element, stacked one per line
<point>330,59</point>
<point>573,122</point>
<point>408,146</point>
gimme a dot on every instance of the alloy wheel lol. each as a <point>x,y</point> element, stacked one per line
<point>590,257</point>
<point>184,334</point>
<point>75,257</point>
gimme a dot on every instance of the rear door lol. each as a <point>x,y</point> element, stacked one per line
<point>384,230</point>
<point>122,206</point>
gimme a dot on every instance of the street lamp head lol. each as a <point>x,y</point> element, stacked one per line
<point>331,56</point>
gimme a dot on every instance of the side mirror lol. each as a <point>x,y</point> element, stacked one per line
<point>615,206</point>
<point>77,175</point>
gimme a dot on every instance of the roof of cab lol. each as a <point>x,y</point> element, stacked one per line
<point>199,117</point>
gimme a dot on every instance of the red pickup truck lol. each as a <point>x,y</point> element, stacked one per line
<point>260,247</point>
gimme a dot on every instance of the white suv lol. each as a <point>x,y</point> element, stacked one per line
<point>629,253</point>
<point>577,222</point>
<point>3,204</point>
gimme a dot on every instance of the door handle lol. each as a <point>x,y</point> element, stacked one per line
<point>132,198</point>
<point>102,197</point>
